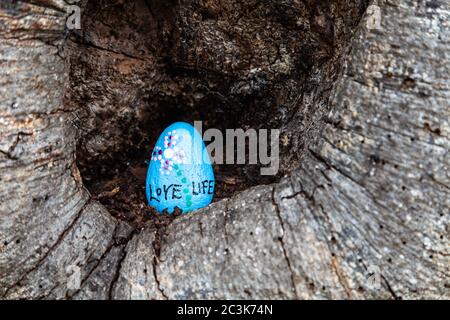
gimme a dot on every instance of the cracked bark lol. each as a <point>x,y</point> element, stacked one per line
<point>117,273</point>
<point>373,191</point>
<point>58,241</point>
<point>155,261</point>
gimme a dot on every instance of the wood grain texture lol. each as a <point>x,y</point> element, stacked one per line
<point>372,190</point>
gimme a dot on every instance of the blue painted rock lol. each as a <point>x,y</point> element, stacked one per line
<point>180,172</point>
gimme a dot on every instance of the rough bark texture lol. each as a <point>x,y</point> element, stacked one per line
<point>138,66</point>
<point>371,190</point>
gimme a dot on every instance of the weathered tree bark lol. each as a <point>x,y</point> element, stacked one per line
<point>366,186</point>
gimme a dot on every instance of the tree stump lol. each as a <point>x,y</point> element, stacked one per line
<point>360,209</point>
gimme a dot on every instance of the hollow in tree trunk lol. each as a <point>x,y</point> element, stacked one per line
<point>360,208</point>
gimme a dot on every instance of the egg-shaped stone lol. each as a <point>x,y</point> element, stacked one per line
<point>180,172</point>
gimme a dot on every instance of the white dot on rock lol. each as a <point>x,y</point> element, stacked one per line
<point>168,153</point>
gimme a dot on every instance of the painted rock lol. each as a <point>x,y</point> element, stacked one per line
<point>180,172</point>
